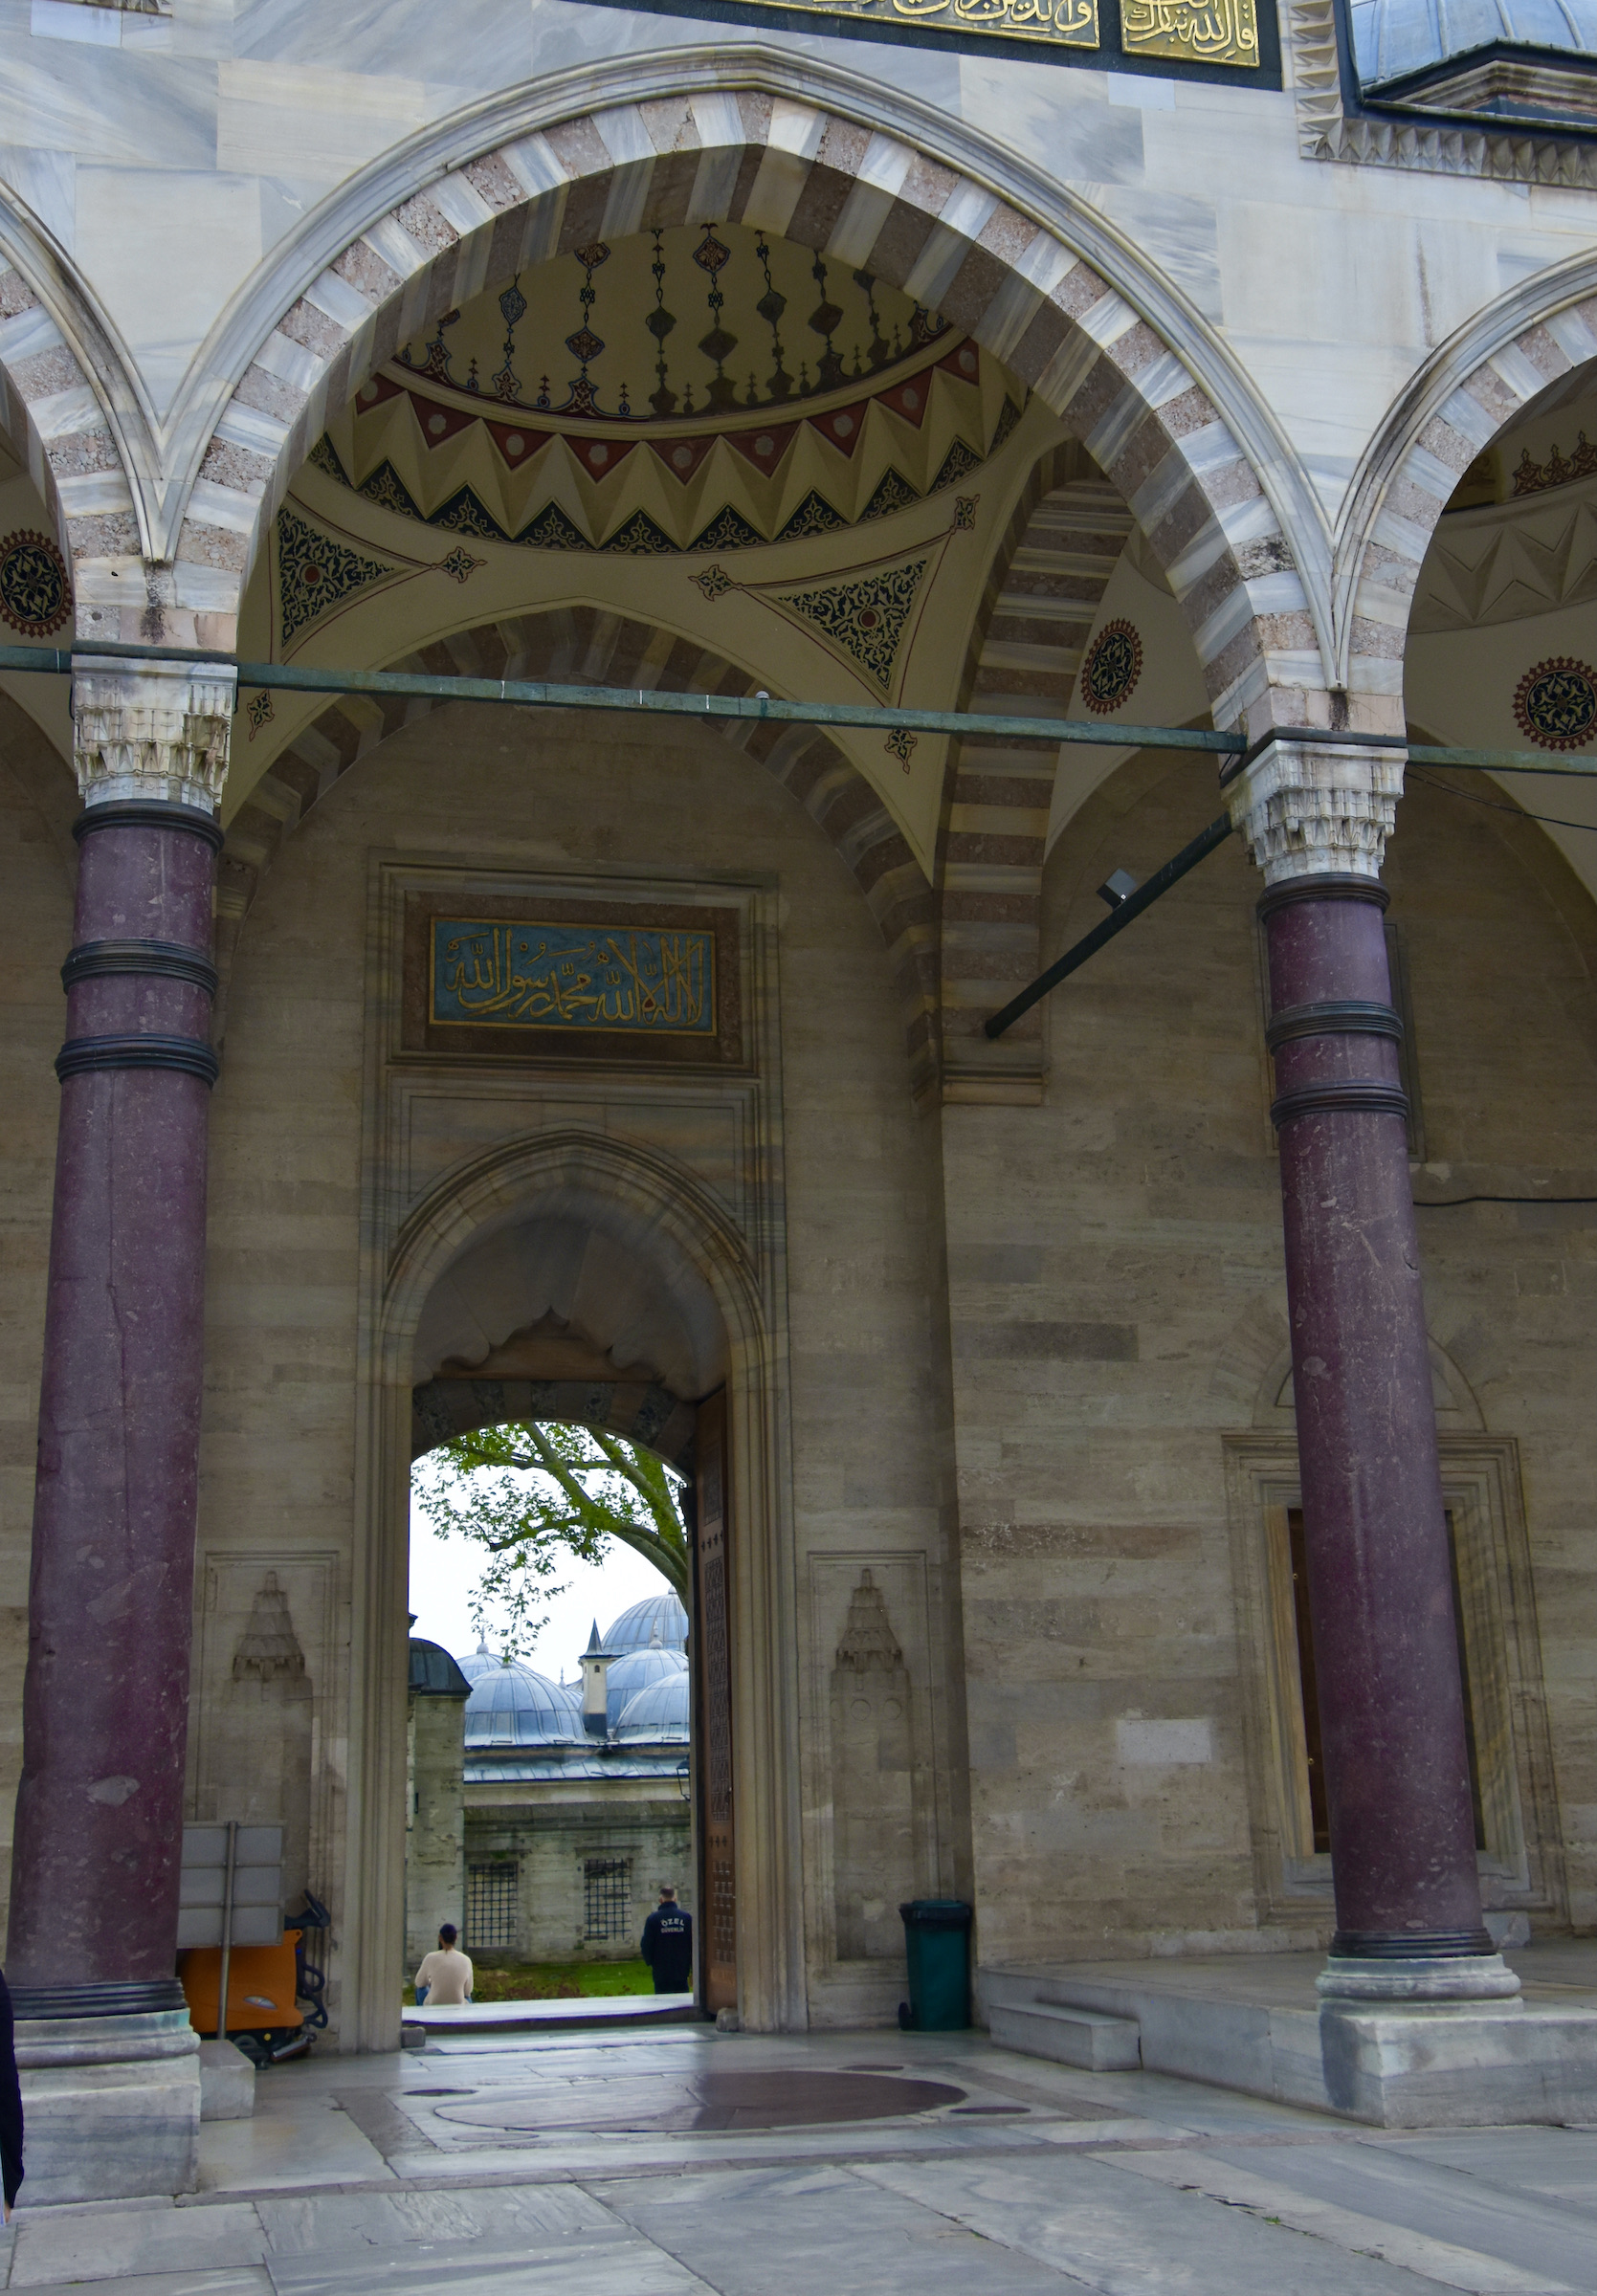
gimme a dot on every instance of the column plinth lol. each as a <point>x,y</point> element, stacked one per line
<point>1379,1579</point>
<point>92,1949</point>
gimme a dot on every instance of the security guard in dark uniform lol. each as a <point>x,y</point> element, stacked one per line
<point>668,1944</point>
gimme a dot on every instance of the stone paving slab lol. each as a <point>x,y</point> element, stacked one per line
<point>1562,2161</point>
<point>1096,2224</point>
<point>1276,2201</point>
<point>600,2261</point>
<point>246,2281</point>
<point>129,2244</point>
<point>349,2181</point>
<point>817,2232</point>
<point>1534,2231</point>
<point>301,2227</point>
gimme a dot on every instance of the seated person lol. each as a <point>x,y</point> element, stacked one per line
<point>445,1977</point>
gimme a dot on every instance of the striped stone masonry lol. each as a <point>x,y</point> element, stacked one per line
<point>582,645</point>
<point>52,415</point>
<point>860,198</point>
<point>1417,493</point>
<point>1050,576</point>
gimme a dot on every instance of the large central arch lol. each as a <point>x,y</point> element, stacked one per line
<point>748,150</point>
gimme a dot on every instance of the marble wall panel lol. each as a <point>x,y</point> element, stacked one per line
<point>859,1207</point>
<point>258,1733</point>
<point>1132,1224</point>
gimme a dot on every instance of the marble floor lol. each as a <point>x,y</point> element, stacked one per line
<point>678,2159</point>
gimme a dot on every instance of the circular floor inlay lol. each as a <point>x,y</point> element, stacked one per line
<point>779,2099</point>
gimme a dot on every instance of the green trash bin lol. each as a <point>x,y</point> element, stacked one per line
<point>937,1939</point>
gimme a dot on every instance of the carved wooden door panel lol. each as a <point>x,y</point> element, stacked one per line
<point>718,1898</point>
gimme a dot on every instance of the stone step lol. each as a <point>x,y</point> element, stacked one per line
<point>1080,2036</point>
<point>227,2082</point>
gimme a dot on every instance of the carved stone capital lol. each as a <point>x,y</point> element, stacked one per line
<point>1308,808</point>
<point>152,730</point>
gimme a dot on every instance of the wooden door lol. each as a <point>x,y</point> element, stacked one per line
<point>718,1894</point>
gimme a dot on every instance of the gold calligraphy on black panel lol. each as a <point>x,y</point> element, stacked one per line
<point>1067,23</point>
<point>1194,32</point>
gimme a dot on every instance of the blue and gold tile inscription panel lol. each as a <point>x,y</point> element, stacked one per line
<point>493,977</point>
<point>645,981</point>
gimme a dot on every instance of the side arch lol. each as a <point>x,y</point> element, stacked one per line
<point>584,645</point>
<point>738,152</point>
<point>1046,579</point>
<point>67,401</point>
<point>1450,412</point>
<point>653,1199</point>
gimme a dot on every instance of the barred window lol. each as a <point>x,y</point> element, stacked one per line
<point>605,1889</point>
<point>490,1895</point>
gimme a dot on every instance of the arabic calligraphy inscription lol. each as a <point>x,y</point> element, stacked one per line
<point>496,976</point>
<point>1194,32</point>
<point>578,976</point>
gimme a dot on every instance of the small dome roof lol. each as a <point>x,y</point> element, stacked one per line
<point>635,1673</point>
<point>481,1661</point>
<point>658,1614</point>
<point>512,1706</point>
<point>661,1710</point>
<point>433,1674</point>
<point>1394,37</point>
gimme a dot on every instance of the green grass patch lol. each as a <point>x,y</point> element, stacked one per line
<point>557,1981</point>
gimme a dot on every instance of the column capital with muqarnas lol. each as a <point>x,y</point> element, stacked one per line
<point>1307,809</point>
<point>158,730</point>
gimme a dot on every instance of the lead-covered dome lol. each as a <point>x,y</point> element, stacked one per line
<point>1394,37</point>
<point>636,1671</point>
<point>512,1706</point>
<point>479,1661</point>
<point>658,1712</point>
<point>658,1615</point>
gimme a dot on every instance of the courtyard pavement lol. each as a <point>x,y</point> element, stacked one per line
<point>527,2165</point>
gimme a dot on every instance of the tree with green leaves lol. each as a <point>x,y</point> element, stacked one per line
<point>534,1496</point>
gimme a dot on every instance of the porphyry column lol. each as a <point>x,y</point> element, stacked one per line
<point>91,1956</point>
<point>1403,1851</point>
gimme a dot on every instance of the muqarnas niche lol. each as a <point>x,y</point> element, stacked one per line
<point>873,1752</point>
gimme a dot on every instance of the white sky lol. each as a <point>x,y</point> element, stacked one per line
<point>444,1575</point>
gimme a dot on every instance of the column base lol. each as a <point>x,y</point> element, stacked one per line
<point>1417,1977</point>
<point>112,2106</point>
<point>1459,2064</point>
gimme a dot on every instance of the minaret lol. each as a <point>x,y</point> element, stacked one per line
<point>595,1663</point>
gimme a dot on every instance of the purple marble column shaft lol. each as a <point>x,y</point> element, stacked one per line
<point>100,1808</point>
<point>1380,1577</point>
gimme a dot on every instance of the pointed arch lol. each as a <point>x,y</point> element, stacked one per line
<point>739,152</point>
<point>1449,412</point>
<point>646,1195</point>
<point>74,408</point>
<point>1044,587</point>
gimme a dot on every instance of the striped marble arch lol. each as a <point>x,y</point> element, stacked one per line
<point>859,197</point>
<point>1410,475</point>
<point>58,425</point>
<point>1048,578</point>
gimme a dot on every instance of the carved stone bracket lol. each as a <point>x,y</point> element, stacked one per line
<point>152,730</point>
<point>1306,809</point>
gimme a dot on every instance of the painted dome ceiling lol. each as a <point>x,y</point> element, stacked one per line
<point>667,326</point>
<point>703,388</point>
